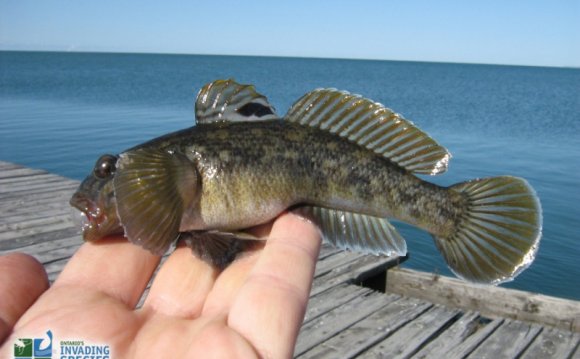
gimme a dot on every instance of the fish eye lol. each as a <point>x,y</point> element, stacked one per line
<point>105,166</point>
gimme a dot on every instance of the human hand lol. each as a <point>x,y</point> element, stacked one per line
<point>253,308</point>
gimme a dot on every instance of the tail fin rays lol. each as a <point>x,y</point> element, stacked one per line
<point>498,236</point>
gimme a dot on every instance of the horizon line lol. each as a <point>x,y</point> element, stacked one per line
<point>122,52</point>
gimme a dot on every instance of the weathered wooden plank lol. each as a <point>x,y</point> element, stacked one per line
<point>16,172</point>
<point>31,179</point>
<point>335,321</point>
<point>410,338</point>
<point>490,301</point>
<point>48,186</point>
<point>26,173</point>
<point>39,237</point>
<point>18,216</point>
<point>350,342</point>
<point>353,272</point>
<point>39,249</point>
<point>36,201</point>
<point>7,182</point>
<point>60,196</point>
<point>20,228</point>
<point>61,193</point>
<point>35,226</point>
<point>452,337</point>
<point>30,203</point>
<point>331,299</point>
<point>18,194</point>
<point>475,339</point>
<point>553,343</point>
<point>35,207</point>
<point>29,212</point>
<point>327,250</point>
<point>8,165</point>
<point>508,341</point>
<point>330,263</point>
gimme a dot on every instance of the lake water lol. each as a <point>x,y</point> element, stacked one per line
<point>60,111</point>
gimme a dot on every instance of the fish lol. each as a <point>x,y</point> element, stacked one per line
<point>346,163</point>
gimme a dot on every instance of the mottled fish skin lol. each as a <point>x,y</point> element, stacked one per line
<point>252,171</point>
<point>345,162</point>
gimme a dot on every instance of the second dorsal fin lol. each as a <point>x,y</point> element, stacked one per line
<point>227,100</point>
<point>373,126</point>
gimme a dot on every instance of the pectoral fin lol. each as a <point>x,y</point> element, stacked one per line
<point>355,231</point>
<point>152,187</point>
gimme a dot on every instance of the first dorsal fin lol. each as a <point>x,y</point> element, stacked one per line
<point>373,126</point>
<point>227,100</point>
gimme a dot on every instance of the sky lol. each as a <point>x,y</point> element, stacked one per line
<point>512,32</point>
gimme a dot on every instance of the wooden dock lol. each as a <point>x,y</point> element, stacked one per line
<point>418,315</point>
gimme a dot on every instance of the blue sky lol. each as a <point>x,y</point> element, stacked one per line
<point>520,32</point>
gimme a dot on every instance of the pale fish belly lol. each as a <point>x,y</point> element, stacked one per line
<point>238,199</point>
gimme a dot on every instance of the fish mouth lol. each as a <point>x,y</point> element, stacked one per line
<point>86,216</point>
<point>92,221</point>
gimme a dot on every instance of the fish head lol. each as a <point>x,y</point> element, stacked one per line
<point>95,199</point>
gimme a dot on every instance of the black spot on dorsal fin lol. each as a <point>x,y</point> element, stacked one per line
<point>227,100</point>
<point>255,109</point>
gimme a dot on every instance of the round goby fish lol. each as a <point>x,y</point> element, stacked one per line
<point>343,161</point>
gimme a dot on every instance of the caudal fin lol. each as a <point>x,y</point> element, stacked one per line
<point>498,235</point>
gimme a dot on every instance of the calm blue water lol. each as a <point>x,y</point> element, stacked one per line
<point>60,111</point>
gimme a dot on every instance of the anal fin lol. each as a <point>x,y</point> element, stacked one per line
<point>355,231</point>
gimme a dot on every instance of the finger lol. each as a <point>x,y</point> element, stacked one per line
<point>113,266</point>
<point>230,281</point>
<point>181,286</point>
<point>270,307</point>
<point>22,280</point>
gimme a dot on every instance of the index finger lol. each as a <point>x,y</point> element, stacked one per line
<point>113,266</point>
<point>271,304</point>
